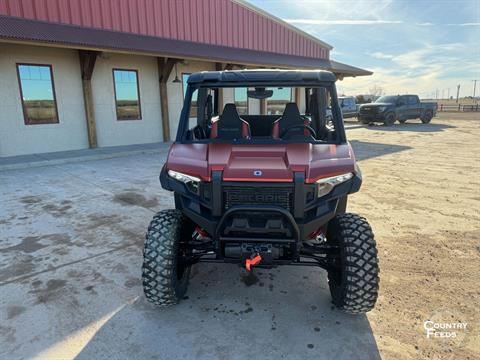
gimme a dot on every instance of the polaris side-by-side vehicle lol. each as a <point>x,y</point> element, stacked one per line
<point>261,190</point>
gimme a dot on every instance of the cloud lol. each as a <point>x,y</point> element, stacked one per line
<point>421,71</point>
<point>380,55</point>
<point>465,24</point>
<point>424,24</point>
<point>341,22</point>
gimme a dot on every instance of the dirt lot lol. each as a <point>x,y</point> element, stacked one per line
<point>70,253</point>
<point>422,196</point>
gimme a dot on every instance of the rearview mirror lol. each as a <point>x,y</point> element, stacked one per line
<point>259,93</point>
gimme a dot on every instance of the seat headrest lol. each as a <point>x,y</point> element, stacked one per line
<point>229,112</point>
<point>230,124</point>
<point>291,111</point>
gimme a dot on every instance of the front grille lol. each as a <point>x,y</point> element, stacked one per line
<point>253,195</point>
<point>368,110</point>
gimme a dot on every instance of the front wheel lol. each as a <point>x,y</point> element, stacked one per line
<point>353,275</point>
<point>165,271</point>
<point>389,119</point>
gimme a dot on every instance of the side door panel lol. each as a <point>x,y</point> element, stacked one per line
<point>413,107</point>
<point>402,108</point>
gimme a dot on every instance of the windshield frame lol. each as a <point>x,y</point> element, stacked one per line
<point>329,86</point>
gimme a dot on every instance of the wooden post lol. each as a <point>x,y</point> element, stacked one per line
<point>297,97</point>
<point>263,106</point>
<point>165,67</point>
<point>87,64</point>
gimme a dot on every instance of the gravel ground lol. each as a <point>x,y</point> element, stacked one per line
<point>70,253</point>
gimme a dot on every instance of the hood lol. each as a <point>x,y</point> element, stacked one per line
<point>376,104</point>
<point>261,163</point>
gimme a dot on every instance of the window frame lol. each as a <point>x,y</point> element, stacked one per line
<point>184,90</point>
<point>183,128</point>
<point>52,80</point>
<point>138,94</point>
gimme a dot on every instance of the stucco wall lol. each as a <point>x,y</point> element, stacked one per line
<point>110,131</point>
<point>16,138</point>
<point>70,133</point>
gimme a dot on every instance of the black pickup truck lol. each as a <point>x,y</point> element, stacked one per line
<point>388,109</point>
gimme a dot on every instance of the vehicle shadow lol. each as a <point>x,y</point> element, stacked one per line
<point>286,313</point>
<point>414,127</point>
<point>366,150</point>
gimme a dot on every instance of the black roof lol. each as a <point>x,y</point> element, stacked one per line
<point>262,76</point>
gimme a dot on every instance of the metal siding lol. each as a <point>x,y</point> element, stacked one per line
<point>95,8</point>
<point>15,9</point>
<point>220,22</point>
<point>180,20</point>
<point>133,16</point>
<point>40,9</point>
<point>162,24</point>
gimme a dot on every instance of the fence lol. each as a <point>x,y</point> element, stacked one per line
<point>459,107</point>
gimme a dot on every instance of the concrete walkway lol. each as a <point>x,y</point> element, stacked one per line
<point>62,157</point>
<point>71,242</point>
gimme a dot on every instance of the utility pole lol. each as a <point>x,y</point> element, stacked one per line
<point>458,91</point>
<point>474,88</point>
<point>448,94</point>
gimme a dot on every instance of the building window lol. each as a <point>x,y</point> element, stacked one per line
<point>276,103</point>
<point>193,105</point>
<point>38,94</point>
<point>241,100</point>
<point>127,94</point>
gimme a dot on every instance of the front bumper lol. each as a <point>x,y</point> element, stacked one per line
<point>372,117</point>
<point>304,213</point>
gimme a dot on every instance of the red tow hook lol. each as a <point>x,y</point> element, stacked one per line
<point>253,261</point>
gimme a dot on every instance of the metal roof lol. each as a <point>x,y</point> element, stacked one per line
<point>215,22</point>
<point>283,23</point>
<point>78,37</point>
<point>263,76</point>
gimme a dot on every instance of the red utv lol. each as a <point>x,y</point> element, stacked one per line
<point>259,183</point>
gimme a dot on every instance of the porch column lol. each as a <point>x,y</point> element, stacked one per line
<point>87,64</point>
<point>165,66</point>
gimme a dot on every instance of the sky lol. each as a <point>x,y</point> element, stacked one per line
<point>417,47</point>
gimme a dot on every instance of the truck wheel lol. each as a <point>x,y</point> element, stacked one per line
<point>164,272</point>
<point>389,119</point>
<point>427,117</point>
<point>353,278</point>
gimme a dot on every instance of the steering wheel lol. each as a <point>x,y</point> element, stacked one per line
<point>199,132</point>
<point>297,126</point>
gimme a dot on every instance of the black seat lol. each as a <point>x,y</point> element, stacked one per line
<point>230,126</point>
<point>291,117</point>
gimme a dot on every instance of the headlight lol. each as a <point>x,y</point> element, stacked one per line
<point>382,108</point>
<point>190,181</point>
<point>326,185</point>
